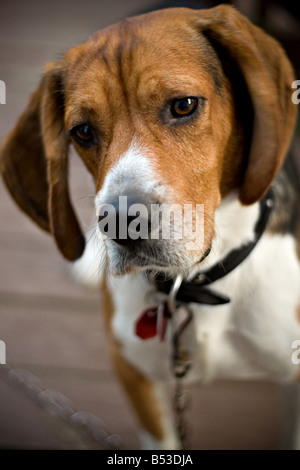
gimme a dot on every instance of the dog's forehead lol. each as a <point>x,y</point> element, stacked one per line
<point>154,42</point>
<point>158,27</point>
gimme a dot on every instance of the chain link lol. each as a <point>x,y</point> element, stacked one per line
<point>181,402</point>
<point>87,429</point>
<point>181,364</point>
<point>180,367</point>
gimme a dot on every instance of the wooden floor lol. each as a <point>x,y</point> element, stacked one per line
<point>52,326</point>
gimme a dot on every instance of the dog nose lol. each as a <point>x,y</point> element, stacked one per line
<point>127,219</point>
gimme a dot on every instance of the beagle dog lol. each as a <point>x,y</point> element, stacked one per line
<point>181,107</point>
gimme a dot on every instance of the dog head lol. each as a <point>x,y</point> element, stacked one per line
<point>173,107</point>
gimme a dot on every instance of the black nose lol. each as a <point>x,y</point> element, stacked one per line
<point>127,219</point>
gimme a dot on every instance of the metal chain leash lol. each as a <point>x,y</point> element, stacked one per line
<point>180,365</point>
<point>180,405</point>
<point>83,428</point>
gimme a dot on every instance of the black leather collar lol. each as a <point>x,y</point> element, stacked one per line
<point>196,290</point>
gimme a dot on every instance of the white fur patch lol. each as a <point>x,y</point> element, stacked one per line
<point>234,226</point>
<point>90,268</point>
<point>132,173</point>
<point>170,441</point>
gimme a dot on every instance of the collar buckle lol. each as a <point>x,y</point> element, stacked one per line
<point>171,301</point>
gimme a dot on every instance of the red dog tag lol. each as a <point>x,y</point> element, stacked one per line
<point>153,321</point>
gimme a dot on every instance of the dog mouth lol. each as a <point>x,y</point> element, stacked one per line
<point>126,260</point>
<point>159,257</point>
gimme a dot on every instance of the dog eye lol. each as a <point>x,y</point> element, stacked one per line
<point>84,135</point>
<point>183,107</point>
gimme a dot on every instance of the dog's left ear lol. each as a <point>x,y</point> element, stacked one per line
<point>268,75</point>
<point>34,164</point>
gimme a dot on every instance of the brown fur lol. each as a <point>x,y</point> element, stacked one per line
<point>140,393</point>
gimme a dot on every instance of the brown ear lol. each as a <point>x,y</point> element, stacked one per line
<point>268,75</point>
<point>34,164</point>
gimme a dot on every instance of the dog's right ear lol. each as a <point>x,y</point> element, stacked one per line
<point>34,164</point>
<point>23,163</point>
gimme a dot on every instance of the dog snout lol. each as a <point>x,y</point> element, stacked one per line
<point>127,219</point>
